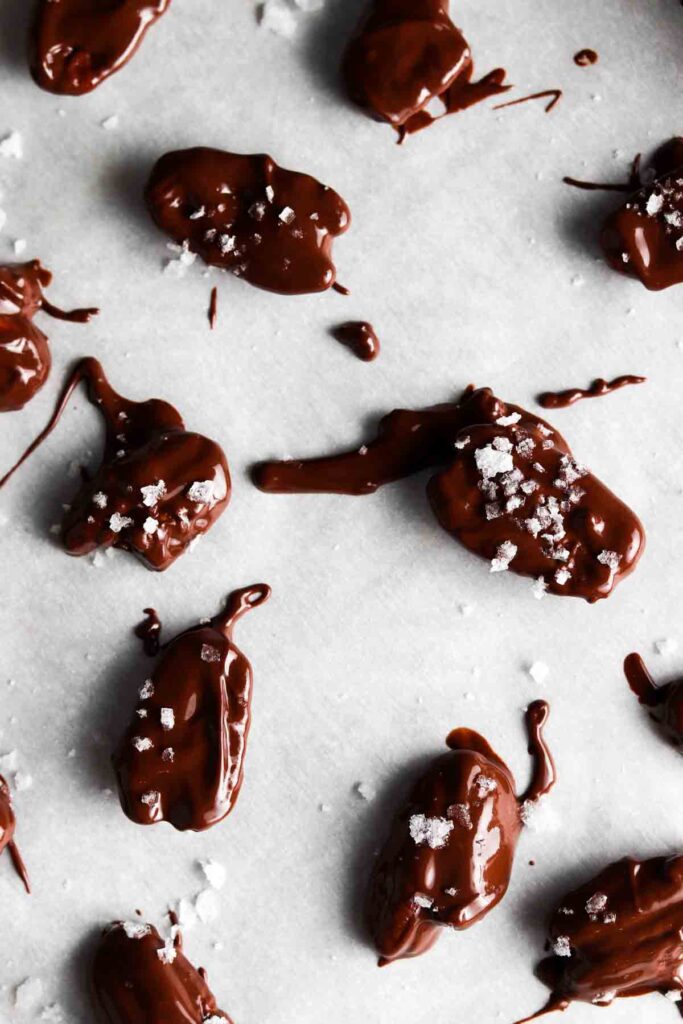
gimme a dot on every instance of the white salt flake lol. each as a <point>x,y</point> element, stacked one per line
<point>562,946</point>
<point>609,558</point>
<point>562,576</point>
<point>152,493</point>
<point>100,499</point>
<point>142,743</point>
<point>508,421</point>
<point>654,204</point>
<point>287,215</point>
<point>150,525</point>
<point>214,873</point>
<point>460,814</point>
<point>209,653</point>
<point>168,754</point>
<point>539,588</point>
<point>278,16</point>
<point>491,462</point>
<point>146,690</point>
<point>117,522</point>
<point>485,785</point>
<point>19,246</point>
<point>432,832</point>
<point>539,672</point>
<point>596,904</point>
<point>463,443</point>
<point>12,145</point>
<point>150,798</point>
<point>504,555</point>
<point>201,492</point>
<point>167,717</point>
<point>136,929</point>
<point>110,123</point>
<point>198,214</point>
<point>423,901</point>
<point>168,952</point>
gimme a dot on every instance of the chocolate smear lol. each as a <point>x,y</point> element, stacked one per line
<point>7,828</point>
<point>599,387</point>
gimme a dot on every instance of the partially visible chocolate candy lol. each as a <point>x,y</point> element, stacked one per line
<point>7,828</point>
<point>76,44</point>
<point>448,859</point>
<point>140,978</point>
<point>665,702</point>
<point>25,358</point>
<point>159,486</point>
<point>406,54</point>
<point>244,214</point>
<point>181,759</point>
<point>511,491</point>
<point>359,337</point>
<point>618,935</point>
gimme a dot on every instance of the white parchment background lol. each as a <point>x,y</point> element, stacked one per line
<point>475,263</point>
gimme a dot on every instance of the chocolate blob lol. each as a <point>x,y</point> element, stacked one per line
<point>665,702</point>
<point>448,859</point>
<point>584,58</point>
<point>644,238</point>
<point>511,491</point>
<point>360,338</point>
<point>76,44</point>
<point>149,631</point>
<point>7,828</point>
<point>617,935</point>
<point>273,227</point>
<point>599,387</point>
<point>25,358</point>
<point>181,759</point>
<point>404,55</point>
<point>138,978</point>
<point>159,486</point>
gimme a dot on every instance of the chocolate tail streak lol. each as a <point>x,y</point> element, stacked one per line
<point>544,775</point>
<point>72,316</point>
<point>554,94</point>
<point>552,1006</point>
<point>238,603</point>
<point>642,683</point>
<point>599,388</point>
<point>19,866</point>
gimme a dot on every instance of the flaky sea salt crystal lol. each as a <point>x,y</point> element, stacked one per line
<point>596,904</point>
<point>491,462</point>
<point>463,443</point>
<point>135,929</point>
<point>226,243</point>
<point>561,946</point>
<point>460,814</point>
<point>12,145</point>
<point>539,588</point>
<point>287,215</point>
<point>538,671</point>
<point>210,653</point>
<point>609,558</point>
<point>485,785</point>
<point>146,690</point>
<point>423,901</point>
<point>19,246</point>
<point>150,526</point>
<point>201,491</point>
<point>100,499</point>
<point>168,952</point>
<point>152,493</point>
<point>214,873</point>
<point>117,522</point>
<point>28,994</point>
<point>142,743</point>
<point>654,204</point>
<point>150,798</point>
<point>562,576</point>
<point>508,421</point>
<point>206,905</point>
<point>504,555</point>
<point>167,717</point>
<point>432,832</point>
<point>278,16</point>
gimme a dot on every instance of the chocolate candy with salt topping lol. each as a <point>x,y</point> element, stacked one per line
<point>273,227</point>
<point>159,486</point>
<point>138,978</point>
<point>448,859</point>
<point>8,826</point>
<point>511,491</point>
<point>617,935</point>
<point>181,759</point>
<point>25,358</point>
<point>665,702</point>
<point>76,44</point>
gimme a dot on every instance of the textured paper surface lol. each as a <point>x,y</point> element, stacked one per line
<point>474,263</point>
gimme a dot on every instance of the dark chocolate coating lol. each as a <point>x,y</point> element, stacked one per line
<point>8,826</point>
<point>665,702</point>
<point>448,859</point>
<point>159,486</point>
<point>273,227</point>
<point>617,935</point>
<point>511,486</point>
<point>133,984</point>
<point>403,56</point>
<point>187,767</point>
<point>25,358</point>
<point>76,44</point>
<point>360,338</point>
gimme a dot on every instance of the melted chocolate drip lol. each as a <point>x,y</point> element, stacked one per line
<point>448,859</point>
<point>273,227</point>
<point>7,829</point>
<point>511,491</point>
<point>404,55</point>
<point>181,759</point>
<point>584,58</point>
<point>140,979</point>
<point>599,387</point>
<point>617,935</point>
<point>554,95</point>
<point>149,631</point>
<point>159,486</point>
<point>25,358</point>
<point>360,337</point>
<point>76,44</point>
<point>634,181</point>
<point>213,308</point>
<point>665,702</point>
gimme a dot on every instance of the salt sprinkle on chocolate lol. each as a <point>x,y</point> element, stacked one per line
<point>135,929</point>
<point>431,832</point>
<point>209,653</point>
<point>167,717</point>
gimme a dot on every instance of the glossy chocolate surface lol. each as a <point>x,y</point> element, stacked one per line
<point>140,978</point>
<point>644,238</point>
<point>448,859</point>
<point>617,935</point>
<point>599,387</point>
<point>584,58</point>
<point>273,227</point>
<point>8,826</point>
<point>76,44</point>
<point>360,338</point>
<point>404,55</point>
<point>511,491</point>
<point>181,759</point>
<point>665,702</point>
<point>25,358</point>
<point>159,486</point>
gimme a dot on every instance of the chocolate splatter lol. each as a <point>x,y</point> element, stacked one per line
<point>584,58</point>
<point>149,631</point>
<point>404,56</point>
<point>273,227</point>
<point>360,337</point>
<point>599,387</point>
<point>140,978</point>
<point>76,44</point>
<point>159,486</point>
<point>181,759</point>
<point>25,358</point>
<point>448,859</point>
<point>7,828</point>
<point>213,308</point>
<point>554,96</point>
<point>617,935</point>
<point>665,702</point>
<point>511,491</point>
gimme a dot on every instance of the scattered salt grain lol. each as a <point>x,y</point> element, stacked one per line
<point>596,904</point>
<point>508,421</point>
<point>504,555</point>
<point>201,491</point>
<point>19,246</point>
<point>432,832</point>
<point>168,754</point>
<point>100,499</point>
<point>214,873</point>
<point>462,444</point>
<point>562,946</point>
<point>206,906</point>
<point>609,558</point>
<point>167,953</point>
<point>150,526</point>
<point>146,690</point>
<point>539,672</point>
<point>491,461</point>
<point>287,215</point>
<point>142,743</point>
<point>485,785</point>
<point>135,929</point>
<point>150,798</point>
<point>117,522</point>
<point>654,204</point>
<point>423,901</point>
<point>539,588</point>
<point>209,653</point>
<point>460,814</point>
<point>110,123</point>
<point>167,717</point>
<point>152,493</point>
<point>12,146</point>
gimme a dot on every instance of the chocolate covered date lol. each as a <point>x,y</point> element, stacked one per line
<point>181,759</point>
<point>448,859</point>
